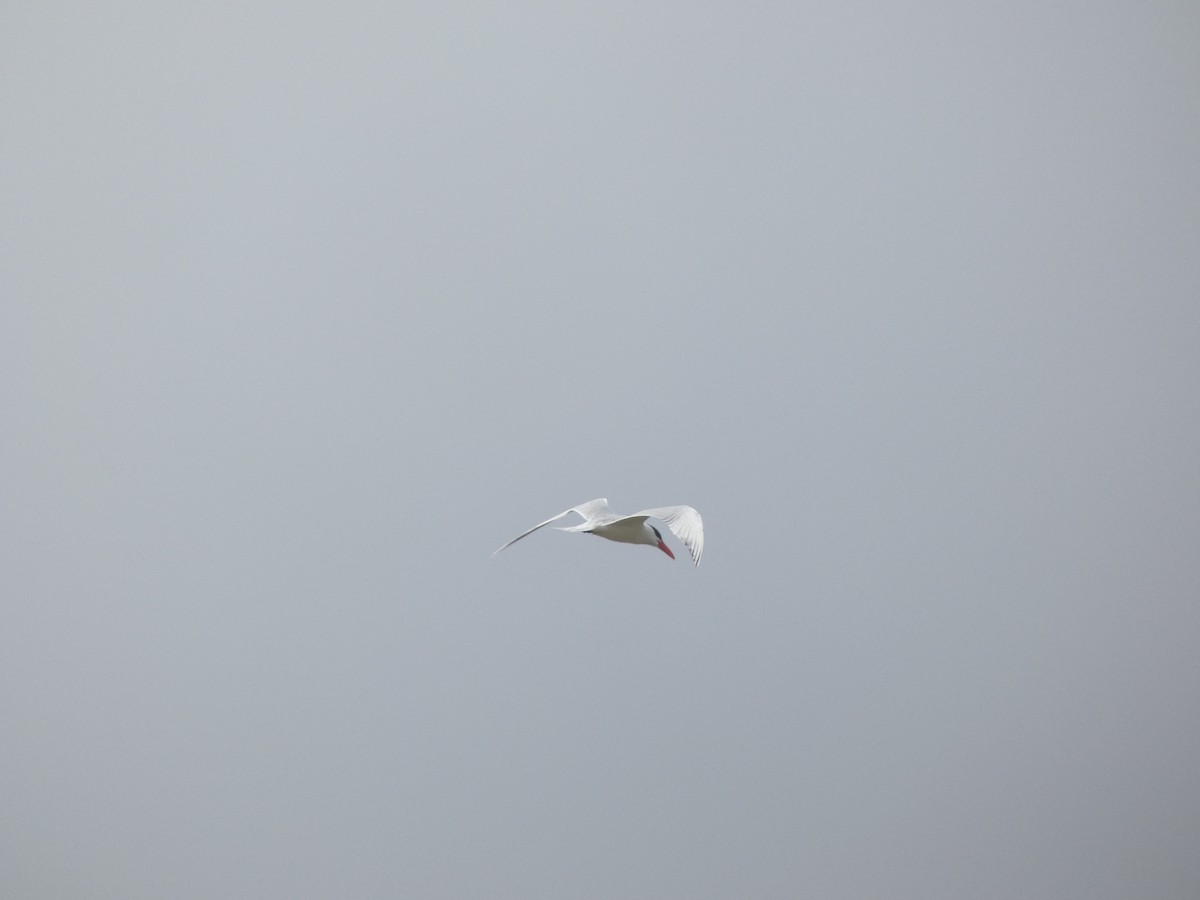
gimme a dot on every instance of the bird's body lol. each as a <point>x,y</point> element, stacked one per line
<point>599,519</point>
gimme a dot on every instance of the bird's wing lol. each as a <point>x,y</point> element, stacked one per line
<point>685,523</point>
<point>590,511</point>
<point>596,512</point>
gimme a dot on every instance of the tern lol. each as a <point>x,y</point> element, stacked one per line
<point>599,519</point>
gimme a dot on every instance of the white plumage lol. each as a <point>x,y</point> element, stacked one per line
<point>599,519</point>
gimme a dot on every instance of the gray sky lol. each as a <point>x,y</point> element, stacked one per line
<point>305,311</point>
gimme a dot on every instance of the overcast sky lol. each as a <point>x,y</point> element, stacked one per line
<point>304,310</point>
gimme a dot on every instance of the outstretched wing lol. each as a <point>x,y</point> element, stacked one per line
<point>685,523</point>
<point>591,511</point>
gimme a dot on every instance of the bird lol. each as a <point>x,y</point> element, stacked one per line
<point>599,519</point>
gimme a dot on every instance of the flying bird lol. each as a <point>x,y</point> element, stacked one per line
<point>599,519</point>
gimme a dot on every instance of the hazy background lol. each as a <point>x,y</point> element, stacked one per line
<point>306,309</point>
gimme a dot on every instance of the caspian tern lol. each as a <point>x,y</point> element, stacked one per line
<point>599,519</point>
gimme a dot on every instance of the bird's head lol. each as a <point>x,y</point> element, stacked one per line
<point>661,546</point>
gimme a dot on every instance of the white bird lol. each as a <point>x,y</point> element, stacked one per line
<point>599,519</point>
